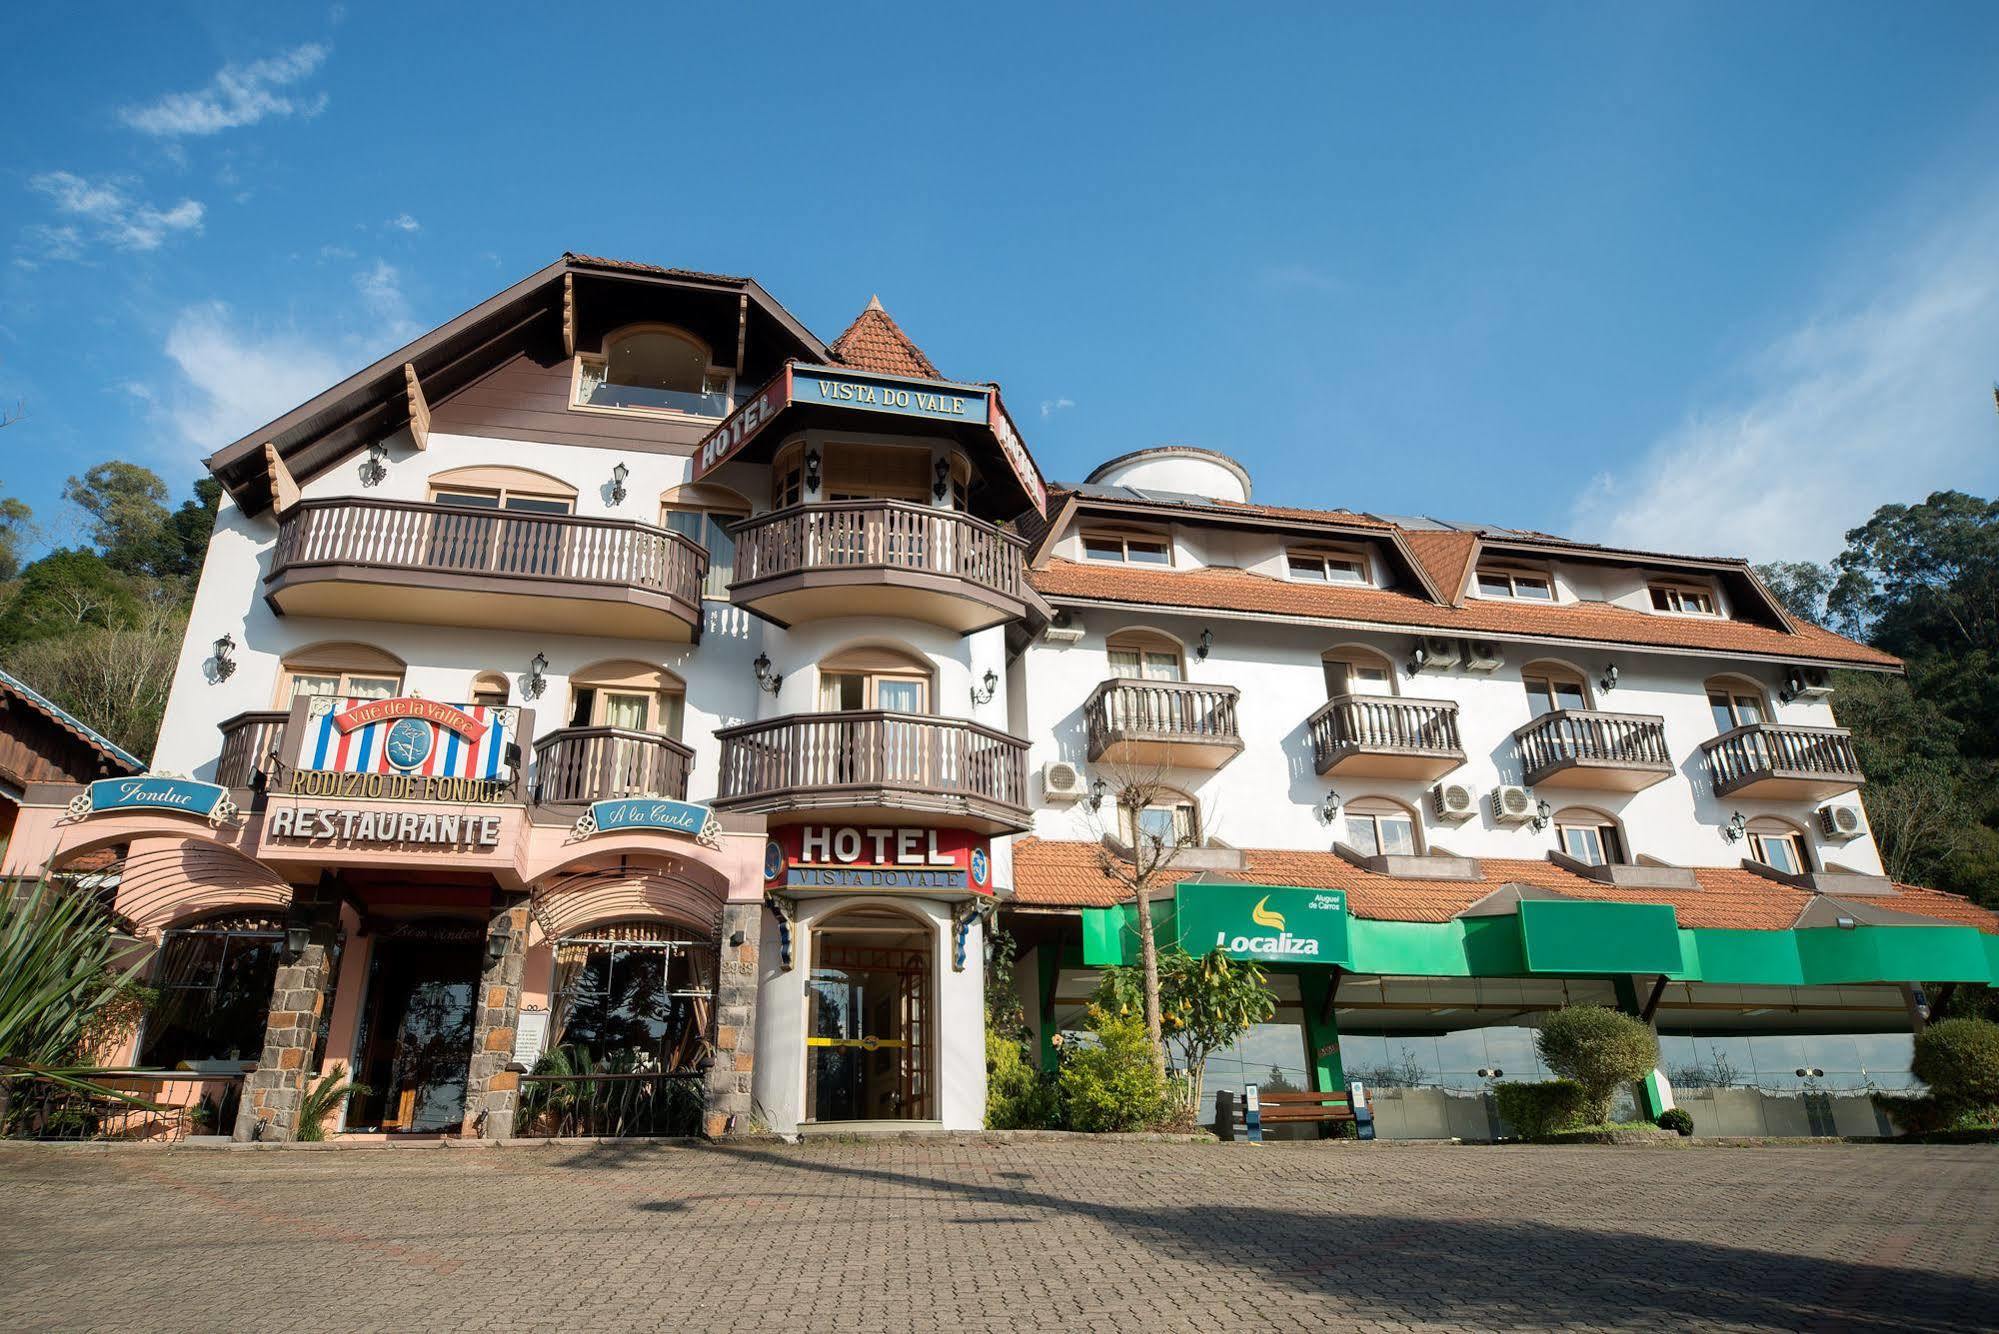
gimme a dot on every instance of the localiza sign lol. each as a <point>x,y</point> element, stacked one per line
<point>1268,923</point>
<point>164,793</point>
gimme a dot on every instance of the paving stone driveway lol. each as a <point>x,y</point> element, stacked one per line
<point>967,1235</point>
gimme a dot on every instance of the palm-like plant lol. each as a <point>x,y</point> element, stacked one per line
<point>323,1099</point>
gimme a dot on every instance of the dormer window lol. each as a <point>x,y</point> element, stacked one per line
<point>1325,567</point>
<point>1683,600</point>
<point>1127,548</point>
<point>653,368</point>
<point>1522,585</point>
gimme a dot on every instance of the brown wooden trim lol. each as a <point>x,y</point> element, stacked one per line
<point>584,764</point>
<point>1356,724</point>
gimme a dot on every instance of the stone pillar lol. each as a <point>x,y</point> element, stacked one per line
<point>299,996</point>
<point>729,1089</point>
<point>491,1088</point>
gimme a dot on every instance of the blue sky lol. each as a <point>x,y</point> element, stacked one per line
<point>1707,278</point>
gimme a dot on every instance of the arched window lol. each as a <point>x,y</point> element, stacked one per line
<point>346,671</point>
<point>1357,671</point>
<point>1378,827</point>
<point>1591,837</point>
<point>653,367</point>
<point>1554,685</point>
<point>874,678</point>
<point>1780,845</point>
<point>212,990</point>
<point>1162,816</point>
<point>491,689</point>
<point>1735,702</point>
<point>625,693</point>
<point>704,512</point>
<point>1145,655</point>
<point>518,490</point>
<point>634,996</point>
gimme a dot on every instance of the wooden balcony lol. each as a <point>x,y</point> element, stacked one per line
<point>583,764</point>
<point>1169,724</point>
<point>1380,736</point>
<point>876,765</point>
<point>1778,763</point>
<point>1603,752</point>
<point>249,740</point>
<point>397,560</point>
<point>880,558</point>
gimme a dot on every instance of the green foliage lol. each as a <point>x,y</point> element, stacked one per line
<point>1004,1011</point>
<point>1206,1002</point>
<point>128,513</point>
<point>15,517</point>
<point>1678,1120</point>
<point>322,1100</point>
<point>66,592</point>
<point>1599,1049</point>
<point>1019,1096</point>
<point>1113,1085</point>
<point>1959,1060</point>
<point>1534,1110</point>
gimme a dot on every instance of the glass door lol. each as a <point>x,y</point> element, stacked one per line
<point>867,1034</point>
<point>416,1029</point>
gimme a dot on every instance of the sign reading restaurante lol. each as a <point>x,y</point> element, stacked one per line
<point>447,829</point>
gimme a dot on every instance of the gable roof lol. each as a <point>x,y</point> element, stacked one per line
<point>114,755</point>
<point>875,342</point>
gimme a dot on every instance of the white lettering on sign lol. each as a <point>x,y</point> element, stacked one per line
<point>438,829</point>
<point>747,422</point>
<point>890,847</point>
<point>1285,944</point>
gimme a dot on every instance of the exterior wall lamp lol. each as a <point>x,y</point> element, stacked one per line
<point>225,659</point>
<point>1735,828</point>
<point>618,476</point>
<point>1543,813</point>
<point>497,940</point>
<point>376,466</point>
<point>1609,678</point>
<point>811,470</point>
<point>1207,642</point>
<point>990,682</point>
<point>1418,658</point>
<point>296,939</point>
<point>942,486</point>
<point>767,680</point>
<point>1329,809</point>
<point>1099,789</point>
<point>537,677</point>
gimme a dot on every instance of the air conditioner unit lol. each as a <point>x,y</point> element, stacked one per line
<point>1062,634</point>
<point>1512,804</point>
<point>1453,801</point>
<point>1482,655</point>
<point>1808,683</point>
<point>1062,781</point>
<point>1840,822</point>
<point>1434,654</point>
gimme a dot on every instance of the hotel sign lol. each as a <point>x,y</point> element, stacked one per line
<point>864,859</point>
<point>155,793</point>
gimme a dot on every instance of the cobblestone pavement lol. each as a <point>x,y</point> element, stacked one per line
<point>967,1235</point>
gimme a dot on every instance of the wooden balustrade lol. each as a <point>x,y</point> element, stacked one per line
<point>583,764</point>
<point>1621,752</point>
<point>249,740</point>
<point>1781,761</point>
<point>1386,736</point>
<point>1133,721</point>
<point>875,759</point>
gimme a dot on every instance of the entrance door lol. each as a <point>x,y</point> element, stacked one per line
<point>416,1028</point>
<point>867,1034</point>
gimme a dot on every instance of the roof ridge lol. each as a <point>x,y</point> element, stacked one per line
<point>875,342</point>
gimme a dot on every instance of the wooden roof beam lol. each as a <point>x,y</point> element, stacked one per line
<point>419,408</point>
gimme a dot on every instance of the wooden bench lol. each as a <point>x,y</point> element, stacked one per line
<point>1279,1109</point>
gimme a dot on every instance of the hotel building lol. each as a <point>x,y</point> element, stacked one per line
<point>620,671</point>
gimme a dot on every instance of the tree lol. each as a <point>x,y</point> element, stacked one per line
<point>1925,577</point>
<point>1600,1049</point>
<point>1206,1001</point>
<point>114,678</point>
<point>128,514</point>
<point>15,518</point>
<point>65,592</point>
<point>184,536</point>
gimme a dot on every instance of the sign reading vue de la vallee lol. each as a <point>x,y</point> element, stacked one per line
<point>405,749</point>
<point>854,857</point>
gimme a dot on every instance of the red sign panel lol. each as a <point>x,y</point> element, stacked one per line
<point>865,858</point>
<point>429,710</point>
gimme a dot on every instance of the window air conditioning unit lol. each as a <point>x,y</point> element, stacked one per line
<point>1433,654</point>
<point>1062,781</point>
<point>1512,804</point>
<point>1807,683</point>
<point>1840,822</point>
<point>1064,629</point>
<point>1453,801</point>
<point>1482,655</point>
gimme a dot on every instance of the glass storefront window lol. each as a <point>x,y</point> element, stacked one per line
<point>1272,1056</point>
<point>635,998</point>
<point>1771,1061</point>
<point>214,992</point>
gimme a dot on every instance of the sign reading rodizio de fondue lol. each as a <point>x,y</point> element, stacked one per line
<point>404,749</point>
<point>874,858</point>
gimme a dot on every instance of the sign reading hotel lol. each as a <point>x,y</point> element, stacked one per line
<point>404,749</point>
<point>1267,923</point>
<point>154,793</point>
<point>866,858</point>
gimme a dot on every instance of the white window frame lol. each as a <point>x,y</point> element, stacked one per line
<point>1514,578</point>
<point>1352,567</point>
<point>1125,540</point>
<point>1675,593</point>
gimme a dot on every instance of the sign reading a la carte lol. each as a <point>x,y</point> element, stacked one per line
<point>662,814</point>
<point>1268,923</point>
<point>852,857</point>
<point>166,793</point>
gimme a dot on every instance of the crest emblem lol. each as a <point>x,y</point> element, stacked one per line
<point>408,742</point>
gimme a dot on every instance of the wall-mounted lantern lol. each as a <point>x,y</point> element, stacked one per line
<point>1099,789</point>
<point>1207,642</point>
<point>942,486</point>
<point>376,466</point>
<point>225,657</point>
<point>990,682</point>
<point>811,470</point>
<point>1543,813</point>
<point>1735,828</point>
<point>1609,678</point>
<point>537,677</point>
<point>767,680</point>
<point>497,940</point>
<point>618,476</point>
<point>1329,809</point>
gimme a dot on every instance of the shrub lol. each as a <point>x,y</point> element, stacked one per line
<point>322,1100</point>
<point>1677,1119</point>
<point>1959,1060</point>
<point>1018,1096</point>
<point>1598,1048</point>
<point>1114,1084</point>
<point>1534,1110</point>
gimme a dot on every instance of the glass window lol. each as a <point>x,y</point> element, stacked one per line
<point>1169,822</point>
<point>1134,550</point>
<point>1515,584</point>
<point>849,691</point>
<point>502,500</point>
<point>1783,852</point>
<point>1357,676</point>
<point>662,370</point>
<point>1547,692</point>
<point>1383,833</point>
<point>709,530</point>
<point>1150,664</point>
<point>638,997</point>
<point>627,711</point>
<point>346,685</point>
<point>1326,567</point>
<point>1734,708</point>
<point>1685,601</point>
<point>213,987</point>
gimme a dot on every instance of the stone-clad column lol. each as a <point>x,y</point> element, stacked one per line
<point>490,1088</point>
<point>299,996</point>
<point>729,1077</point>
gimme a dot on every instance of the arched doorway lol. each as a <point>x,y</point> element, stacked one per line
<point>869,1018</point>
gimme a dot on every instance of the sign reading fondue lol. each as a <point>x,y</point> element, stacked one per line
<point>874,857</point>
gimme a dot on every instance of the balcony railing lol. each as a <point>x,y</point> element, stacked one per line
<point>1616,752</point>
<point>424,549</point>
<point>1383,736</point>
<point>581,764</point>
<point>249,740</point>
<point>170,1106</point>
<point>875,760</point>
<point>1772,760</point>
<point>863,556</point>
<point>1132,721</point>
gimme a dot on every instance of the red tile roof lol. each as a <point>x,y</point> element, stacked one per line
<point>1447,557</point>
<point>1048,873</point>
<point>875,342</point>
<point>1597,622</point>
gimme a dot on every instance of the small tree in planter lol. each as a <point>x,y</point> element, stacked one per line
<point>1959,1060</point>
<point>1113,1084</point>
<point>1598,1048</point>
<point>1206,1002</point>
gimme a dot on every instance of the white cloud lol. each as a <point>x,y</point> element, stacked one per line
<point>1299,278</point>
<point>382,297</point>
<point>233,379</point>
<point>403,222</point>
<point>1883,395</point>
<point>1051,406</point>
<point>238,95</point>
<point>114,216</point>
